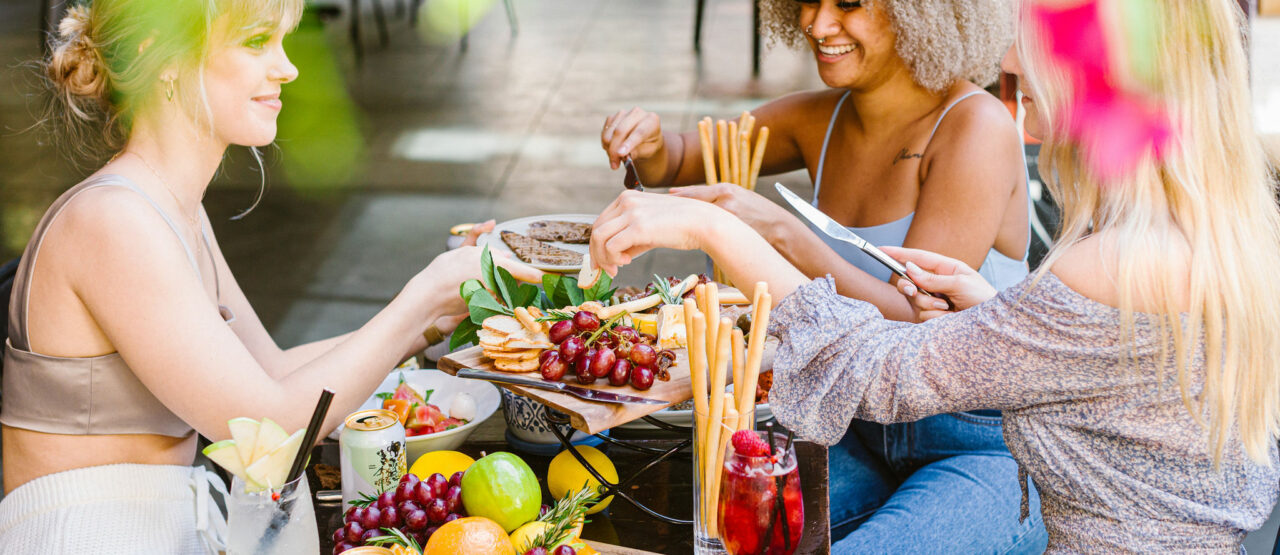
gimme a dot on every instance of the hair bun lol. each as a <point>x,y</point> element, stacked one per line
<point>75,65</point>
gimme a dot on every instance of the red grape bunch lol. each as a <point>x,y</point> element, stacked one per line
<point>592,350</point>
<point>415,507</point>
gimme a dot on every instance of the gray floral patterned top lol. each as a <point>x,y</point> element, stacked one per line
<point>1119,462</point>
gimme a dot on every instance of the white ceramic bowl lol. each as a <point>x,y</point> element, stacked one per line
<point>445,387</point>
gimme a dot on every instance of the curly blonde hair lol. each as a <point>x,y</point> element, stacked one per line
<point>941,41</point>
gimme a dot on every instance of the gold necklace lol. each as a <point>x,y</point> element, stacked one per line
<point>193,219</point>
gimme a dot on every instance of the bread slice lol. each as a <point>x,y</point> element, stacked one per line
<point>516,366</point>
<point>589,274</point>
<point>564,232</point>
<point>534,251</point>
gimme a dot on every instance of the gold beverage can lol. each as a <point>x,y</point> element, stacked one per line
<point>373,456</point>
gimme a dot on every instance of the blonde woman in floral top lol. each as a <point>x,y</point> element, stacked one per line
<point>1136,371</point>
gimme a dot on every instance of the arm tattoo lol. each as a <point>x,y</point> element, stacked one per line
<point>904,155</point>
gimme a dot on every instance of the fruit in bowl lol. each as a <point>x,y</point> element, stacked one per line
<point>429,427</point>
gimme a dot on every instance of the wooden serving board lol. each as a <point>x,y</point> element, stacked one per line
<point>587,416</point>
<point>608,549</point>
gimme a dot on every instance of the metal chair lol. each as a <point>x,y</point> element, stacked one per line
<point>701,6</point>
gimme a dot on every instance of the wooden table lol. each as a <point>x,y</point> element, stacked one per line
<point>668,489</point>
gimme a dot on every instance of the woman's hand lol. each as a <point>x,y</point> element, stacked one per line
<point>939,275</point>
<point>762,214</point>
<point>635,133</point>
<point>446,273</point>
<point>637,222</point>
<point>476,231</point>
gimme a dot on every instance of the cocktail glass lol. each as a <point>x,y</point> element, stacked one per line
<point>280,520</point>
<point>761,510</point>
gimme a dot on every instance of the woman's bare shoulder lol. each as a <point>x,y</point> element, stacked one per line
<point>112,223</point>
<point>1091,265</point>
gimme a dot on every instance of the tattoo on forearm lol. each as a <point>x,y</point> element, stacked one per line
<point>904,155</point>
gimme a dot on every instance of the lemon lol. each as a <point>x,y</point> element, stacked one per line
<point>566,474</point>
<point>523,536</point>
<point>441,462</point>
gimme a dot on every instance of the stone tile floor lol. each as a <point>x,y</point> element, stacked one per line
<point>377,159</point>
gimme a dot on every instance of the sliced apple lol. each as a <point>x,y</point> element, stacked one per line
<point>271,470</point>
<point>270,435</point>
<point>227,454</point>
<point>245,433</point>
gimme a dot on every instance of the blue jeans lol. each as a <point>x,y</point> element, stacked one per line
<point>945,484</point>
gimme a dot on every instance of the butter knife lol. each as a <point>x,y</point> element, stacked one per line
<point>834,230</point>
<point>579,392</point>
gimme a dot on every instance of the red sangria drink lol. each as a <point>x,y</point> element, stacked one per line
<point>760,509</point>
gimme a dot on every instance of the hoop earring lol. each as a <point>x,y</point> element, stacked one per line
<point>168,89</point>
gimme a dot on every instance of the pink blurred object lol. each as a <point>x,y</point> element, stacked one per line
<point>1114,126</point>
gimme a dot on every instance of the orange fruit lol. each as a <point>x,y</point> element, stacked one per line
<point>473,535</point>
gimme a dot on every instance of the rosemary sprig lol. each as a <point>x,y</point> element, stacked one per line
<point>395,537</point>
<point>556,315</point>
<point>562,517</point>
<point>365,500</point>
<point>663,287</point>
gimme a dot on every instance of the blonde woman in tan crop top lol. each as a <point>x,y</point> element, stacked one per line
<point>128,300</point>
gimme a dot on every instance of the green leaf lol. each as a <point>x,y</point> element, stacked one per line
<point>483,305</point>
<point>526,295</point>
<point>469,288</point>
<point>550,281</point>
<point>507,286</point>
<point>602,290</point>
<point>384,395</point>
<point>486,268</point>
<point>426,395</point>
<point>463,334</point>
<point>570,287</point>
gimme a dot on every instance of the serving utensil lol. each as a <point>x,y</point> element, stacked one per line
<point>834,230</point>
<point>579,392</point>
<point>632,179</point>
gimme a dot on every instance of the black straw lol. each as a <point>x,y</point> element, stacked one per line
<point>309,438</point>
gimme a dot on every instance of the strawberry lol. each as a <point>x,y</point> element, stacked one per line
<point>747,443</point>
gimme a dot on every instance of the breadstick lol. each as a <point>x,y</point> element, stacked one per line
<point>738,349</point>
<point>716,414</point>
<point>758,157</point>
<point>755,350</point>
<point>708,155</point>
<point>744,159</point>
<point>712,311</point>
<point>698,366</point>
<point>727,427</point>
<point>722,135</point>
<point>734,176</point>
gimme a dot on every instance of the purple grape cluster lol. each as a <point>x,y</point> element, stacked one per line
<point>621,355</point>
<point>416,507</point>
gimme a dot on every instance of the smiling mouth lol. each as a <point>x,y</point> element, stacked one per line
<point>270,101</point>
<point>836,50</point>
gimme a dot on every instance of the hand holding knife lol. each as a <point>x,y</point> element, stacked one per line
<point>834,230</point>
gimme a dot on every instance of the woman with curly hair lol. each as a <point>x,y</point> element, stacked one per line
<point>129,335</point>
<point>907,150</point>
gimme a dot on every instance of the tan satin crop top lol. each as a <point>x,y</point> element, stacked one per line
<point>87,396</point>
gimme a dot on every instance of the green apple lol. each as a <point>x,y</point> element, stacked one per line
<point>270,435</point>
<point>272,469</point>
<point>245,432</point>
<point>227,454</point>
<point>502,488</point>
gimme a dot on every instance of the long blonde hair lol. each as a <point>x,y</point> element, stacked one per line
<point>1210,193</point>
